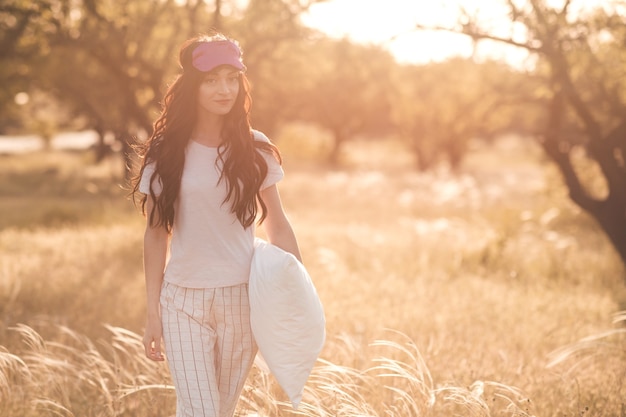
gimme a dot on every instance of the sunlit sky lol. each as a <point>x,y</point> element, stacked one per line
<point>391,23</point>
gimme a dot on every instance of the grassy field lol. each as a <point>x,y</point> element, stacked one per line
<point>484,293</point>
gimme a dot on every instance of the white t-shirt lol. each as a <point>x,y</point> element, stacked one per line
<point>209,246</point>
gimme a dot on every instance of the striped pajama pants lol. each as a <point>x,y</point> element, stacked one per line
<point>209,347</point>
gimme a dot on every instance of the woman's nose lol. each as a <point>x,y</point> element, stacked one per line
<point>224,86</point>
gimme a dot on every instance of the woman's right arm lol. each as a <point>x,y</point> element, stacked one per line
<point>155,243</point>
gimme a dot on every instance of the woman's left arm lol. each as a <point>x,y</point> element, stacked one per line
<point>277,227</point>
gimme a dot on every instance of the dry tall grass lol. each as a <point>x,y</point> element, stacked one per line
<point>485,293</point>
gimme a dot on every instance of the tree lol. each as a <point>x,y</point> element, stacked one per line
<point>106,60</point>
<point>120,55</point>
<point>272,38</point>
<point>582,60</point>
<point>440,107</point>
<point>109,61</point>
<point>21,45</point>
<point>348,90</point>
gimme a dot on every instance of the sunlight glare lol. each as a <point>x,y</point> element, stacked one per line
<point>391,24</point>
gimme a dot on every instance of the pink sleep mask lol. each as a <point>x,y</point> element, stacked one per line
<point>209,55</point>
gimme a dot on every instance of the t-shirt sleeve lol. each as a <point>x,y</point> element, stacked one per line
<point>144,182</point>
<point>275,171</point>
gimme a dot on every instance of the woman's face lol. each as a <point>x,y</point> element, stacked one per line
<point>218,91</point>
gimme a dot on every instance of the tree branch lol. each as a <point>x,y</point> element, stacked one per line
<point>552,145</point>
<point>565,8</point>
<point>477,35</point>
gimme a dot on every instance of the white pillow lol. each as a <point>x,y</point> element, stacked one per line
<point>286,316</point>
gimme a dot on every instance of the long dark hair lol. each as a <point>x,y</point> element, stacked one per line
<point>243,166</point>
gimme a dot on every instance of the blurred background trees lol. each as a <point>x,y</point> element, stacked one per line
<point>441,107</point>
<point>103,65</point>
<point>581,124</point>
<point>348,91</point>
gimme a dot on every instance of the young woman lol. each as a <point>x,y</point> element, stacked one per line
<point>206,178</point>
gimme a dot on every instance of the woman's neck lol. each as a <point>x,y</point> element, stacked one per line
<point>208,131</point>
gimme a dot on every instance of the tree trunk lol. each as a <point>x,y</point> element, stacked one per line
<point>612,218</point>
<point>554,43</point>
<point>101,148</point>
<point>335,152</point>
<point>424,159</point>
<point>610,213</point>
